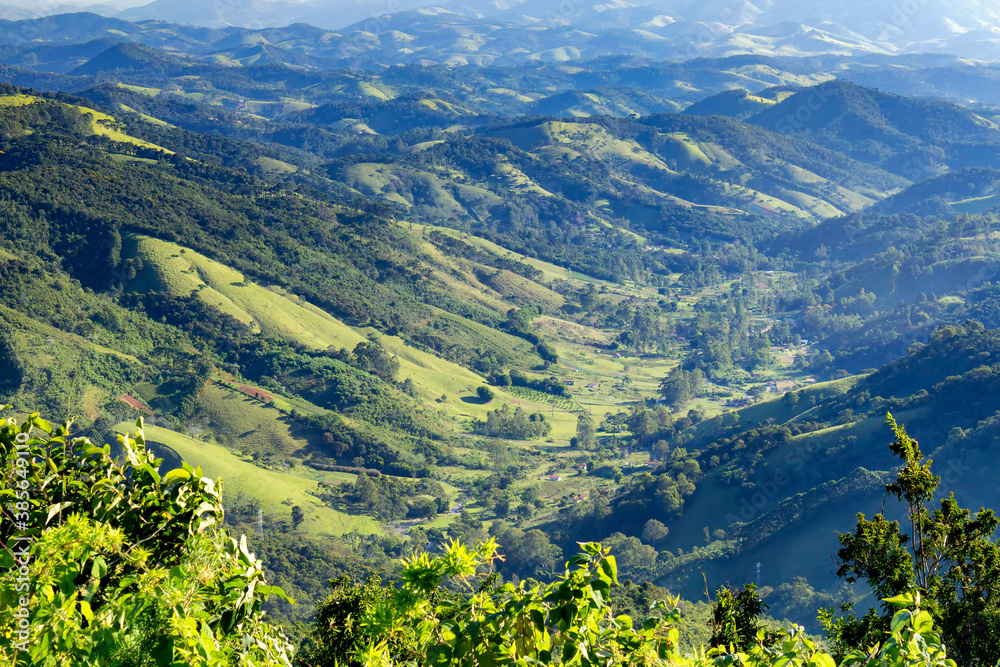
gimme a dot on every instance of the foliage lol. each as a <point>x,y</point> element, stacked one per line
<point>680,386</point>
<point>439,616</point>
<point>339,620</point>
<point>506,423</point>
<point>389,498</point>
<point>586,436</point>
<point>948,557</point>
<point>124,563</point>
<point>569,621</point>
<point>911,641</point>
<point>11,366</point>
<point>549,385</point>
<point>735,619</point>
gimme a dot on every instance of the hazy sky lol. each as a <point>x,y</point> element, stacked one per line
<point>47,6</point>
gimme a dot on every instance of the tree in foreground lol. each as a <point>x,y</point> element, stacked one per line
<point>436,616</point>
<point>736,620</point>
<point>109,562</point>
<point>948,556</point>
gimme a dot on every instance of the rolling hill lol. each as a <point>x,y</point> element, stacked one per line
<point>806,486</point>
<point>520,297</point>
<point>879,128</point>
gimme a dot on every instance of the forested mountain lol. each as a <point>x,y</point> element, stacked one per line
<point>908,137</point>
<point>661,305</point>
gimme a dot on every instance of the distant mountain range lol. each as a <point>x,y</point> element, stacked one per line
<point>506,30</point>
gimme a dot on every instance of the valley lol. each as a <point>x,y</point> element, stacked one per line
<point>545,299</point>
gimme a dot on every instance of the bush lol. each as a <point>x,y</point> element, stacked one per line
<point>160,581</point>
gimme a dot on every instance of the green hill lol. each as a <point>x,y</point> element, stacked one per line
<point>277,492</point>
<point>877,127</point>
<point>603,102</point>
<point>786,474</point>
<point>740,103</point>
<point>545,329</point>
<point>126,57</point>
<point>970,190</point>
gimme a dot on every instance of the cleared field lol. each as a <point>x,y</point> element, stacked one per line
<point>249,424</point>
<point>107,126</point>
<point>148,119</point>
<point>779,412</point>
<point>277,492</point>
<point>182,271</point>
<point>549,271</point>
<point>513,286</point>
<point>101,123</point>
<point>412,187</point>
<point>276,166</point>
<point>17,100</point>
<point>436,378</point>
<point>976,204</point>
<point>152,92</point>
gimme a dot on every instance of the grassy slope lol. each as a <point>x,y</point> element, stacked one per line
<point>101,123</point>
<point>276,491</point>
<point>249,424</point>
<point>178,270</point>
<point>50,356</point>
<point>181,271</point>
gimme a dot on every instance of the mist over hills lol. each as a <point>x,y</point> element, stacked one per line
<point>573,29</point>
<point>611,61</point>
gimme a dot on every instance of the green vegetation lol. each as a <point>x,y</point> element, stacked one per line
<point>272,490</point>
<point>517,424</point>
<point>425,622</point>
<point>391,310</point>
<point>164,582</point>
<point>953,574</point>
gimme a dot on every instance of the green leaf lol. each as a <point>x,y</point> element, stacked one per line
<point>56,509</point>
<point>40,423</point>
<point>609,569</point>
<point>900,620</point>
<point>99,568</point>
<point>901,600</point>
<point>178,474</point>
<point>86,611</point>
<point>923,622</point>
<point>149,470</point>
<point>569,652</point>
<point>822,660</point>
